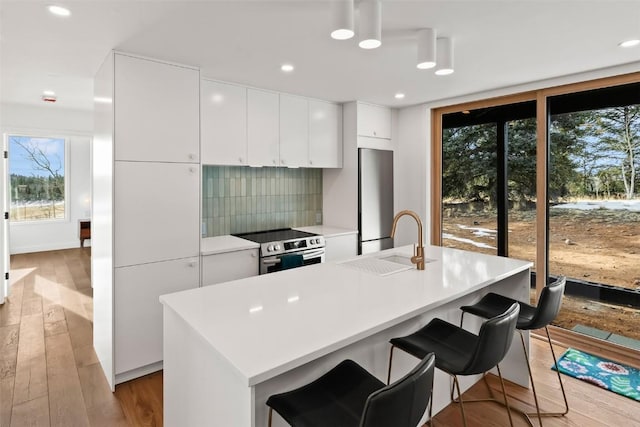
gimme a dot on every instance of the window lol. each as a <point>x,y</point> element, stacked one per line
<point>37,178</point>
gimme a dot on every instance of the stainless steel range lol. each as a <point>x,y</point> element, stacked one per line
<point>286,248</point>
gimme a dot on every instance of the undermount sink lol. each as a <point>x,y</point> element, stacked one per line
<point>398,259</point>
<point>384,265</point>
<point>403,259</point>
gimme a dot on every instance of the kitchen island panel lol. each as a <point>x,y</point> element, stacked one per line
<point>216,393</point>
<point>277,331</point>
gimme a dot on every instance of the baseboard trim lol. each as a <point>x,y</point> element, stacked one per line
<point>44,248</point>
<point>598,347</point>
<point>138,372</point>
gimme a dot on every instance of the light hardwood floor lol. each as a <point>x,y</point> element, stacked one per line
<point>49,374</point>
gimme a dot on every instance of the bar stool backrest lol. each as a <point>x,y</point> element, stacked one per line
<point>402,403</point>
<point>494,340</point>
<point>549,304</point>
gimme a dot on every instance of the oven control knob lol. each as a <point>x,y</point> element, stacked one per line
<point>317,241</point>
<point>277,247</point>
<point>269,248</point>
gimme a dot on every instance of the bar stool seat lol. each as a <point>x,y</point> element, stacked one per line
<point>348,395</point>
<point>492,304</point>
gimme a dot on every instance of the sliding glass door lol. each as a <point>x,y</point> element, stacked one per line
<point>582,158</point>
<point>469,198</point>
<point>594,210</point>
<point>488,180</point>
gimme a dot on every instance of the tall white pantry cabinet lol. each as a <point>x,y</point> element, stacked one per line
<point>146,187</point>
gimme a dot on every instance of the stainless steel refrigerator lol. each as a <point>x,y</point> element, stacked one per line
<point>375,200</point>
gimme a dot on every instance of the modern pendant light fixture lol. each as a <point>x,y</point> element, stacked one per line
<point>370,24</point>
<point>342,15</point>
<point>444,56</point>
<point>426,48</point>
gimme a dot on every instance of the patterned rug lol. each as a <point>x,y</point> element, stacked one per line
<point>604,373</point>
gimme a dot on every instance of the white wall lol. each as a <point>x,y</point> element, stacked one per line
<point>77,127</point>
<point>413,160</point>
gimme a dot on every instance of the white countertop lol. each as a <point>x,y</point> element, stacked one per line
<point>221,244</point>
<point>327,230</point>
<point>266,325</point>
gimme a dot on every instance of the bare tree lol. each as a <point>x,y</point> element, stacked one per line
<point>620,130</point>
<point>51,164</point>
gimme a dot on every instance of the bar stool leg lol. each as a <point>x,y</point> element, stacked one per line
<point>390,360</point>
<point>456,385</point>
<point>533,385</point>
<point>564,395</point>
<point>539,413</point>
<point>270,415</point>
<point>504,393</point>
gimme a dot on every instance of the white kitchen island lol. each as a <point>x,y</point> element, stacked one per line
<point>229,346</point>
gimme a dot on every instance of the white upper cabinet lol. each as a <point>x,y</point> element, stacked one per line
<point>374,121</point>
<point>246,126</point>
<point>325,134</point>
<point>156,212</point>
<point>294,131</point>
<point>156,118</point>
<point>223,123</point>
<point>263,135</point>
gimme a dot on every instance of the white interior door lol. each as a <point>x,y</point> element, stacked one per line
<point>4,229</point>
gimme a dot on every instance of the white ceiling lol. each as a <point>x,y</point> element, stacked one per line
<point>497,44</point>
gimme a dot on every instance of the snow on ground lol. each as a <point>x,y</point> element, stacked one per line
<point>469,241</point>
<point>479,231</point>
<point>586,205</point>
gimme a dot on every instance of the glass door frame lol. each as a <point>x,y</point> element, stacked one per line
<point>542,97</point>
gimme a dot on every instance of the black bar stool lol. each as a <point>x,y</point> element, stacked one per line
<point>348,396</point>
<point>459,352</point>
<point>530,318</point>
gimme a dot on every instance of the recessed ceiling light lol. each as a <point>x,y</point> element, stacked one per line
<point>102,100</point>
<point>399,95</point>
<point>48,92</point>
<point>287,68</point>
<point>342,34</point>
<point>629,43</point>
<point>370,44</point>
<point>59,10</point>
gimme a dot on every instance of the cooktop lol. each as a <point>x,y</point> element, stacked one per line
<point>274,235</point>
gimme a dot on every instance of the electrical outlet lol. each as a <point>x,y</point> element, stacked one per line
<point>318,218</point>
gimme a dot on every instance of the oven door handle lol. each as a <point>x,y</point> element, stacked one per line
<point>305,256</point>
<point>312,254</point>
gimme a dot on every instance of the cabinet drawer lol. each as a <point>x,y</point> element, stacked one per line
<point>228,266</point>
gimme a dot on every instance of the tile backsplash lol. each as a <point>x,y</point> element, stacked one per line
<point>238,199</point>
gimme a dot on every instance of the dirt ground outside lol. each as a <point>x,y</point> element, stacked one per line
<point>599,245</point>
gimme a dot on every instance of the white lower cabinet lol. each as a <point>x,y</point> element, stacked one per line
<point>138,312</point>
<point>223,267</point>
<point>338,248</point>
